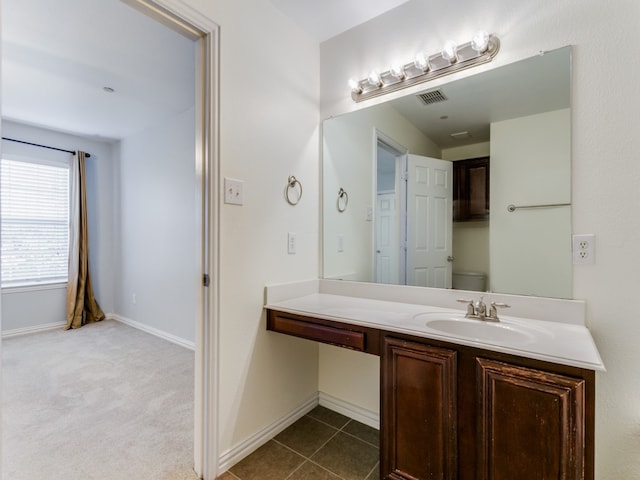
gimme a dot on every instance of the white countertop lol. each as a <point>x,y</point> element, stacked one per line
<point>553,341</point>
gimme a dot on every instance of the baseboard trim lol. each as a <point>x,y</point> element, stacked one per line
<point>233,455</point>
<point>16,332</point>
<point>359,414</point>
<point>153,331</point>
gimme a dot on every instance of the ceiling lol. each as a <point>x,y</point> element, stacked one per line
<point>57,57</point>
<point>324,19</point>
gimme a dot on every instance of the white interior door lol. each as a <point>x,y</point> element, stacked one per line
<point>429,221</point>
<point>386,239</point>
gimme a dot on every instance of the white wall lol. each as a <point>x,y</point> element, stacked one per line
<point>605,169</point>
<point>28,308</point>
<point>269,97</point>
<point>155,258</point>
<point>349,152</point>
<point>531,165</point>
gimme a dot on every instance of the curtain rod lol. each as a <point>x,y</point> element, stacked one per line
<point>43,146</point>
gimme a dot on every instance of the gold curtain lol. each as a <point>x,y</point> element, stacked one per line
<point>82,306</point>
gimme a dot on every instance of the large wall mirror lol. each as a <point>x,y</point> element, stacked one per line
<point>495,146</point>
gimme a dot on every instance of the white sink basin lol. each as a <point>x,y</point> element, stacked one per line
<point>502,332</point>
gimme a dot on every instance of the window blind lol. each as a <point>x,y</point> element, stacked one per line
<point>35,222</point>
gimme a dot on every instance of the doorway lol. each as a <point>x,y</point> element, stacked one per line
<point>204,34</point>
<point>413,217</point>
<point>390,209</point>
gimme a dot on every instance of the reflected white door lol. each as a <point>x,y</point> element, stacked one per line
<point>429,221</point>
<point>386,239</point>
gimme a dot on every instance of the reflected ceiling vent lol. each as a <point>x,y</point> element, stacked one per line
<point>433,96</point>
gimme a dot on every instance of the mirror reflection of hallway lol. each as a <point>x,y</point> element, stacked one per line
<point>390,164</point>
<point>413,217</point>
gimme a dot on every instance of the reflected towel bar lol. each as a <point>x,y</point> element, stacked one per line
<point>513,208</point>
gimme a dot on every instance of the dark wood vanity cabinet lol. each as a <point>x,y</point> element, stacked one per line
<point>453,412</point>
<point>467,414</point>
<point>531,423</point>
<point>419,411</point>
<point>362,339</point>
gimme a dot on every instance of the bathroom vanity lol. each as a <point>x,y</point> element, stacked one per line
<point>463,400</point>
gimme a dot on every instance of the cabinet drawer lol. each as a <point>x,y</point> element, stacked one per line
<point>325,332</point>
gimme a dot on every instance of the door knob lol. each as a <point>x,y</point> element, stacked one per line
<point>449,258</point>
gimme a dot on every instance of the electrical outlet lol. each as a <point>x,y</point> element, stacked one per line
<point>233,191</point>
<point>584,249</point>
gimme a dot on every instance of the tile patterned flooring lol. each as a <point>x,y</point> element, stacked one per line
<point>322,445</point>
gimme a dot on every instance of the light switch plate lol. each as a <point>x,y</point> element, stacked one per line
<point>291,243</point>
<point>233,191</point>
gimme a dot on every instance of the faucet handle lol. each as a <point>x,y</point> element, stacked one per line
<point>464,300</point>
<point>500,305</point>
<point>493,310</point>
<point>471,311</point>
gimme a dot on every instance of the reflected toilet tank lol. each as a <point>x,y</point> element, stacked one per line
<point>475,281</point>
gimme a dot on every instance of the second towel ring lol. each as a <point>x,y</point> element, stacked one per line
<point>343,200</point>
<point>292,183</point>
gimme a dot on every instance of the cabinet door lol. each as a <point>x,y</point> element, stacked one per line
<point>531,423</point>
<point>418,412</point>
<point>471,189</point>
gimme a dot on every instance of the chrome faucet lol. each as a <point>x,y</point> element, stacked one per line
<point>478,309</point>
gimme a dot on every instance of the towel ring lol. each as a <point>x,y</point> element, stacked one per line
<point>293,184</point>
<point>343,200</point>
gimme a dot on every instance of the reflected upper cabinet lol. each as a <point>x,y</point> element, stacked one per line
<point>471,190</point>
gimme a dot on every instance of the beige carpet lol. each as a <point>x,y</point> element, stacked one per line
<point>103,402</point>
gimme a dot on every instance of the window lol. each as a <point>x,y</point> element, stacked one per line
<point>35,222</point>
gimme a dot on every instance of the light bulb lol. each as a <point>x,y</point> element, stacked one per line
<point>354,85</point>
<point>480,41</point>
<point>421,61</point>
<point>449,51</point>
<point>397,71</point>
<point>374,78</point>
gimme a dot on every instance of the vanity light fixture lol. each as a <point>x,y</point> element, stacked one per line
<point>450,51</point>
<point>374,78</point>
<point>453,58</point>
<point>355,86</point>
<point>480,41</point>
<point>421,61</point>
<point>397,71</point>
